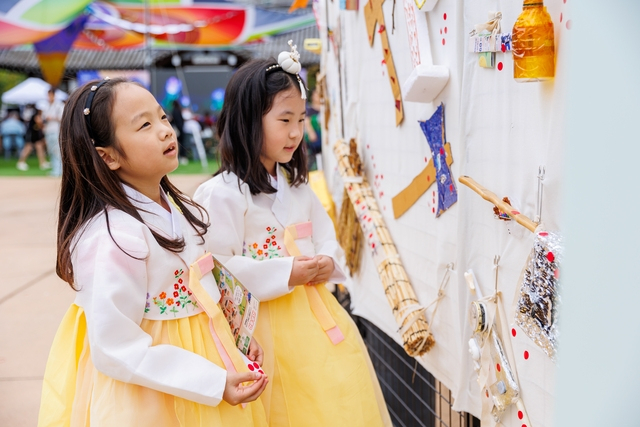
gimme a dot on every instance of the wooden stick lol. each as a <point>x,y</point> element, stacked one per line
<point>503,206</point>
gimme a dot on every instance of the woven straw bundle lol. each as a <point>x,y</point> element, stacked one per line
<point>414,329</point>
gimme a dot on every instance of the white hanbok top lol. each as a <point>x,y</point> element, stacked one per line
<point>247,233</point>
<point>117,290</point>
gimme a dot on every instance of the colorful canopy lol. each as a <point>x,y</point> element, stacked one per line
<point>55,26</point>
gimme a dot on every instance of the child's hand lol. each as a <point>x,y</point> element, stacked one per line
<point>255,352</point>
<point>325,268</point>
<point>303,271</point>
<point>235,392</point>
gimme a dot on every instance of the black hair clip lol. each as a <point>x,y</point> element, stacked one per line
<point>87,106</point>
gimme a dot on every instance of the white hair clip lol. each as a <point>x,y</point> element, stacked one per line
<point>290,62</point>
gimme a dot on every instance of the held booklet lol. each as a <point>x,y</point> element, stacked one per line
<point>238,305</point>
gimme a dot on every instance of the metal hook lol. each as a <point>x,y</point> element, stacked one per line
<point>496,261</point>
<point>541,172</point>
<point>445,278</point>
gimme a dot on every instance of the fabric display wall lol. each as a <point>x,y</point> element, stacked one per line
<point>458,113</point>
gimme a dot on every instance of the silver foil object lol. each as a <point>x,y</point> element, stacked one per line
<point>537,307</point>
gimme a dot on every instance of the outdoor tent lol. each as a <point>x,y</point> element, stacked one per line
<point>31,91</point>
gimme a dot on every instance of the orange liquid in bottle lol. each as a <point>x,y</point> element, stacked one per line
<point>533,44</point>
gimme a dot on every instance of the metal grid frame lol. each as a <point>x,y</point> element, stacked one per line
<point>414,397</point>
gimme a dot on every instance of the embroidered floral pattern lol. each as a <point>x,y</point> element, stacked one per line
<point>178,299</point>
<point>265,249</point>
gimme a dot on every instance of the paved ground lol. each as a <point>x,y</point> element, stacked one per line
<point>32,297</point>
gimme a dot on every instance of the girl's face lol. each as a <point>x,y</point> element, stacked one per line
<point>283,127</point>
<point>144,134</point>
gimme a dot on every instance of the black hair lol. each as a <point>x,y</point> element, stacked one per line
<point>89,187</point>
<point>248,97</point>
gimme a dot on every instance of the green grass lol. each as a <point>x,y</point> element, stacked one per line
<point>8,168</point>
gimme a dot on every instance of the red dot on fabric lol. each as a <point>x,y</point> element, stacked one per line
<point>261,371</point>
<point>526,355</point>
<point>500,66</point>
<point>550,256</point>
<point>543,234</point>
<point>451,187</point>
<point>440,31</point>
<point>503,48</point>
<point>255,365</point>
<point>520,415</point>
<point>374,165</point>
<point>367,146</point>
<point>381,176</point>
<point>425,160</point>
<point>569,24</point>
<point>443,42</point>
<point>433,210</point>
<point>445,30</point>
<point>444,16</point>
<point>486,393</point>
<point>560,17</point>
<point>556,273</point>
<point>513,331</point>
<point>498,367</point>
<point>524,425</point>
<point>564,1</point>
<point>251,368</point>
<point>372,157</point>
<point>428,177</point>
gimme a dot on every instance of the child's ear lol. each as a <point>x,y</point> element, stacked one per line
<point>110,157</point>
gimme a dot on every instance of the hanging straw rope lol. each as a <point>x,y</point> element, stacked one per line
<point>350,234</point>
<point>409,314</point>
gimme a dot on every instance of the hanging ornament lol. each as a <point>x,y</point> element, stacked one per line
<point>538,300</point>
<point>533,44</point>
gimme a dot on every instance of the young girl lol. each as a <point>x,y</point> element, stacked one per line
<point>136,348</point>
<point>276,238</point>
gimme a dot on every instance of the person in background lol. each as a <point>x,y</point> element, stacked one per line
<point>52,118</point>
<point>35,137</point>
<point>13,131</point>
<point>177,121</point>
<point>313,130</point>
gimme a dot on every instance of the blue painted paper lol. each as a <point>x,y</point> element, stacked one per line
<point>433,129</point>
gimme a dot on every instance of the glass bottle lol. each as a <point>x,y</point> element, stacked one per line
<point>533,44</point>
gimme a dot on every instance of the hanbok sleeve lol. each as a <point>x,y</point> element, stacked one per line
<point>324,237</point>
<point>113,291</point>
<point>228,206</point>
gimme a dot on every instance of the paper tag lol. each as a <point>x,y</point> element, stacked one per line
<point>488,43</point>
<point>352,179</point>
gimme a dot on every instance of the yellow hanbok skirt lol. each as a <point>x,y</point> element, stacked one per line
<point>75,394</point>
<point>314,383</point>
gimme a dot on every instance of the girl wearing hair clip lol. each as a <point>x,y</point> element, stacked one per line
<point>276,238</point>
<point>136,348</point>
